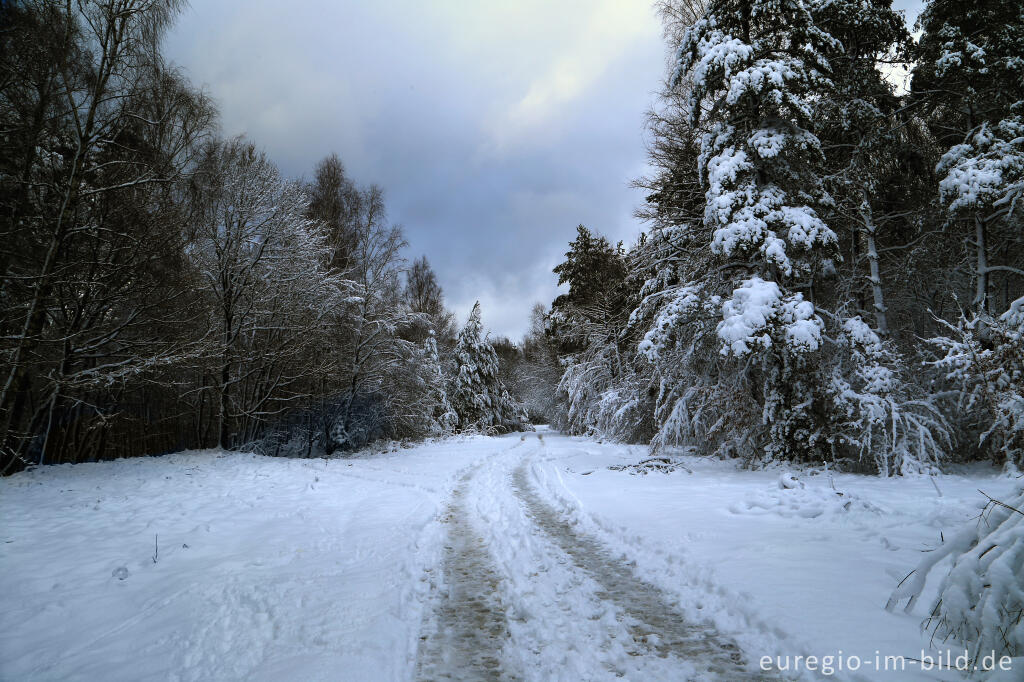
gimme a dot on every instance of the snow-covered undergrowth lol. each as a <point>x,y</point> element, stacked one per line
<point>802,570</point>
<point>212,565</point>
<point>980,599</point>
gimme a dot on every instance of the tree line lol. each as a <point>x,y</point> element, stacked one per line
<point>166,288</point>
<point>832,270</point>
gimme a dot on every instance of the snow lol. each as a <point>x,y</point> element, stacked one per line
<point>801,569</point>
<point>1014,315</point>
<point>768,142</point>
<point>806,229</point>
<point>681,302</point>
<point>982,593</point>
<point>986,169</point>
<point>723,168</point>
<point>861,334</point>
<point>717,52</point>
<point>524,554</point>
<point>758,305</point>
<point>267,568</point>
<point>764,76</point>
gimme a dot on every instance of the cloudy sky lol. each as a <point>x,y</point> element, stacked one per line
<point>494,127</point>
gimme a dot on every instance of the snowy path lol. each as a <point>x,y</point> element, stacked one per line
<point>524,595</point>
<point>442,561</point>
<point>522,557</point>
<point>470,625</point>
<point>656,624</point>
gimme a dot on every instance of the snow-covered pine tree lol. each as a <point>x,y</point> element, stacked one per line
<point>864,147</point>
<point>969,82</point>
<point>443,419</point>
<point>599,390</point>
<point>753,68</point>
<point>477,396</point>
<point>878,418</point>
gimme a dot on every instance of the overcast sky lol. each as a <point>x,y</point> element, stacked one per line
<point>494,127</point>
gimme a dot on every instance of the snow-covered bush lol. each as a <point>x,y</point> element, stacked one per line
<point>580,388</point>
<point>984,360</point>
<point>981,600</point>
<point>876,414</point>
<point>596,403</point>
<point>696,403</point>
<point>601,388</point>
<point>368,420</point>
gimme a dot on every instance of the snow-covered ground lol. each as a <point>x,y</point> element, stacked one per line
<point>522,557</point>
<point>802,571</point>
<point>267,569</point>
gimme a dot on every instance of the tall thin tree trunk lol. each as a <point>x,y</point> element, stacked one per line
<point>224,439</point>
<point>881,322</point>
<point>981,302</point>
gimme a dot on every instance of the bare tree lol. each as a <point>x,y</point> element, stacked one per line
<point>370,350</point>
<point>100,132</point>
<point>271,294</point>
<point>425,297</point>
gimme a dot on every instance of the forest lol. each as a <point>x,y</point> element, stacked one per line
<point>789,404</point>
<point>834,270</point>
<point>831,269</point>
<point>165,288</point>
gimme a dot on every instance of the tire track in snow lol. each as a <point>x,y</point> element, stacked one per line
<point>657,626</point>
<point>470,626</point>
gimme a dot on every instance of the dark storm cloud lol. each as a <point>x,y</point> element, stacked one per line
<point>494,128</point>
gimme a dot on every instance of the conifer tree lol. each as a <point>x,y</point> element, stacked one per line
<point>752,68</point>
<point>969,82</point>
<point>443,418</point>
<point>969,86</point>
<point>478,396</point>
<point>863,145</point>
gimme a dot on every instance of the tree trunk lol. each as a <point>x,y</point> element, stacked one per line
<point>981,302</point>
<point>881,322</point>
<point>224,440</point>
